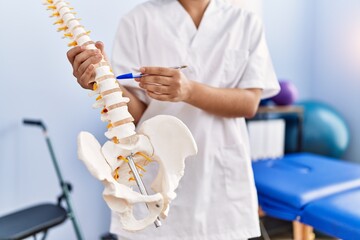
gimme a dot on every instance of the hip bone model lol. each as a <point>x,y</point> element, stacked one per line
<point>120,162</point>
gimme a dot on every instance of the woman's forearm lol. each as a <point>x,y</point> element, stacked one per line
<point>135,106</point>
<point>225,102</point>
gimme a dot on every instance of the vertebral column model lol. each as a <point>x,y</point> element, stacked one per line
<point>151,143</point>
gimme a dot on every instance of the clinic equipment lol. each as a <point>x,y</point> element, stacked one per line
<point>133,75</point>
<point>288,93</point>
<point>40,218</point>
<point>122,160</point>
<point>312,191</point>
<point>325,131</point>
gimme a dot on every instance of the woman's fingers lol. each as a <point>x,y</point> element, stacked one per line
<point>71,54</point>
<point>86,80</point>
<point>86,57</point>
<point>160,97</point>
<point>155,79</point>
<point>83,62</point>
<point>164,84</point>
<point>89,61</point>
<point>162,71</point>
<point>100,45</point>
<point>156,88</point>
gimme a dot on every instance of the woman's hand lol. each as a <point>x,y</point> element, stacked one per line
<point>165,84</point>
<point>83,61</point>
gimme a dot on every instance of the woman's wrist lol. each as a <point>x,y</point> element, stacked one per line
<point>190,92</point>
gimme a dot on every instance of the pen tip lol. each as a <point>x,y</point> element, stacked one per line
<point>125,76</point>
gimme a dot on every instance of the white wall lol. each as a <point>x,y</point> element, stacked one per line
<point>337,63</point>
<point>289,32</point>
<point>37,82</point>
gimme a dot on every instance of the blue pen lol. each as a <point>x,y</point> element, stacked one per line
<point>132,75</point>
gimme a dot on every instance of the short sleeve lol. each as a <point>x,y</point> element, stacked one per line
<point>259,71</point>
<point>125,57</point>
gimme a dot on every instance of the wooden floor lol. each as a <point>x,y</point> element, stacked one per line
<point>283,230</point>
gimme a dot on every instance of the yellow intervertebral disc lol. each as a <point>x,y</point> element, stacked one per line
<point>55,14</point>
<point>69,35</point>
<point>60,21</point>
<point>115,140</point>
<point>64,28</point>
<point>72,44</point>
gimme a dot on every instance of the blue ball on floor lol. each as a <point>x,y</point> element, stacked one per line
<point>325,131</point>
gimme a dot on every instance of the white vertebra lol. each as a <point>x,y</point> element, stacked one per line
<point>108,163</point>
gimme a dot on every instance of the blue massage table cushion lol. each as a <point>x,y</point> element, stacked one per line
<point>337,215</point>
<point>286,185</point>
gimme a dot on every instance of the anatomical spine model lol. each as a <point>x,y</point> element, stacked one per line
<point>124,157</point>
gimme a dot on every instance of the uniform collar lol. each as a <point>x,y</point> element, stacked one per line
<point>187,30</point>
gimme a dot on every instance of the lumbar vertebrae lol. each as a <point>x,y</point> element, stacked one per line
<point>120,162</point>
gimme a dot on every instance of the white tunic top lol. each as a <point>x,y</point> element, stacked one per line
<point>216,198</point>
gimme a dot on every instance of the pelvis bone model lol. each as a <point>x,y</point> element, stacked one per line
<point>118,164</point>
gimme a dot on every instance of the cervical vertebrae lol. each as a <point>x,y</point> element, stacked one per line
<point>151,143</point>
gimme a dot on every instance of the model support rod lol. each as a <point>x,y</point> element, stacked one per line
<point>140,183</point>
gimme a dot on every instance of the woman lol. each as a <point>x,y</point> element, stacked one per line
<point>229,71</point>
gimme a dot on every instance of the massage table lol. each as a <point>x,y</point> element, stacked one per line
<point>313,191</point>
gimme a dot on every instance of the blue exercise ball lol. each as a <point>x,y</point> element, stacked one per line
<point>325,131</point>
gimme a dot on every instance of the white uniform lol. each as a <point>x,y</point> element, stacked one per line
<point>216,198</point>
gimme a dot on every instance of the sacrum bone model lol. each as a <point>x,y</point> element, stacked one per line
<point>120,162</point>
